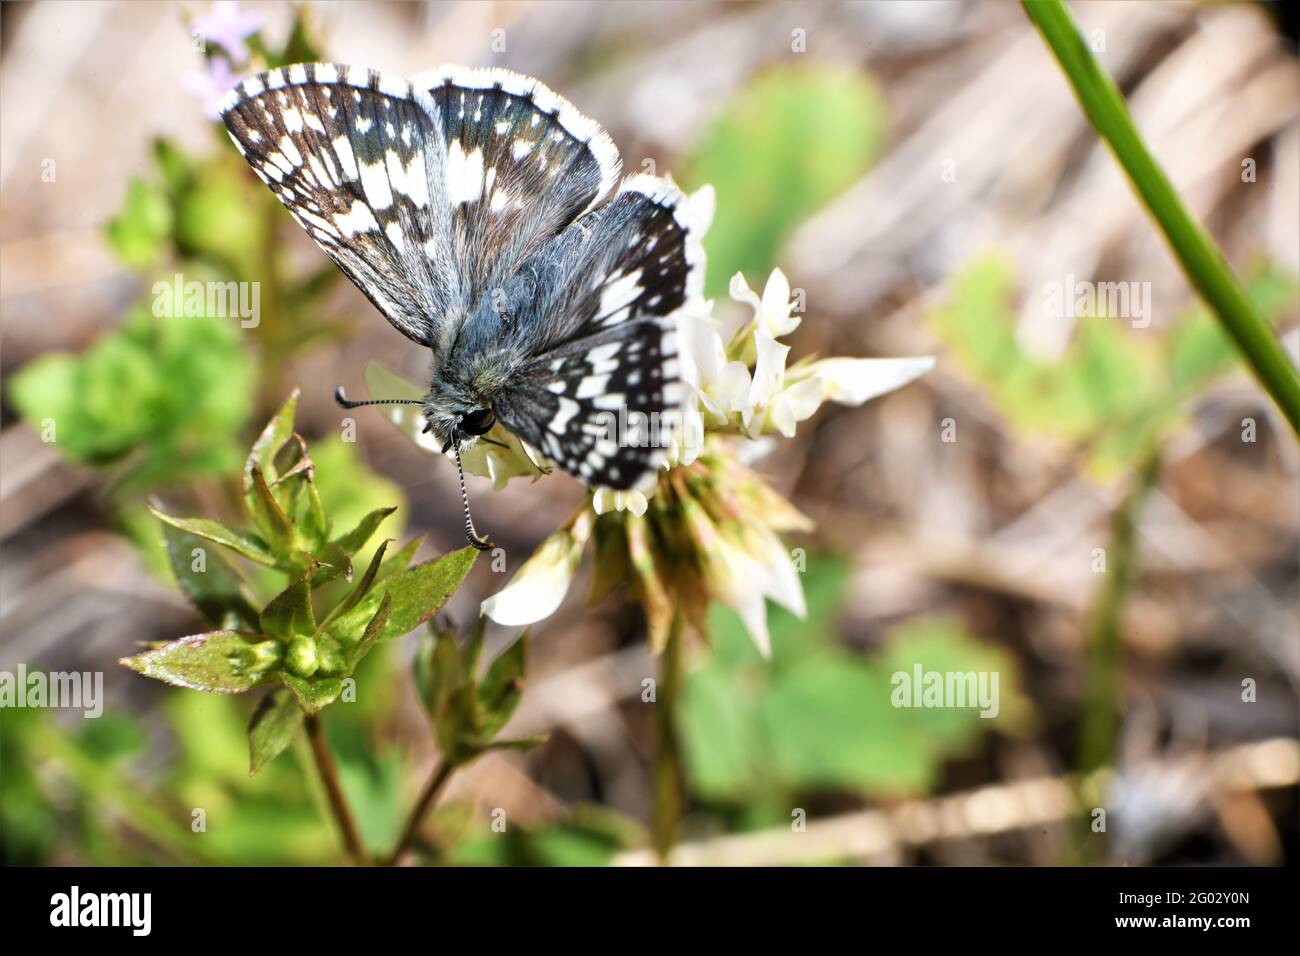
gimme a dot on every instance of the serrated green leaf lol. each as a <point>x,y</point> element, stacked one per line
<point>169,394</point>
<point>356,539</point>
<point>350,490</point>
<point>419,592</point>
<point>290,614</point>
<point>241,542</point>
<point>207,580</point>
<point>271,728</point>
<point>222,662</point>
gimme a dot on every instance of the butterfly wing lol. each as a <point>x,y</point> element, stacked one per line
<point>597,313</point>
<point>426,192</point>
<point>522,164</point>
<point>358,159</point>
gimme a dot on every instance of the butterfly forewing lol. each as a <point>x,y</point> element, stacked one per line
<point>522,163</point>
<point>348,153</point>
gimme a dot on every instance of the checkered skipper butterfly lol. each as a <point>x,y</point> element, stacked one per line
<point>477,210</point>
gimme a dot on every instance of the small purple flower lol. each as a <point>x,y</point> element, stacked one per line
<point>227,26</point>
<point>211,86</point>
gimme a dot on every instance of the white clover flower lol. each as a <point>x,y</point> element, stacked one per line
<point>773,313</point>
<point>728,546</point>
<point>539,586</point>
<point>610,499</point>
<point>852,381</point>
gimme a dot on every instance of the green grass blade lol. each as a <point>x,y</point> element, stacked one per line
<point>1201,260</point>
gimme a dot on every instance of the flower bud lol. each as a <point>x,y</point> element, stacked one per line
<point>266,656</point>
<point>330,661</point>
<point>301,659</point>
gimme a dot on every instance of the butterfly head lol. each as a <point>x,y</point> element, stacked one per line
<point>463,428</point>
<point>456,413</point>
<point>458,425</point>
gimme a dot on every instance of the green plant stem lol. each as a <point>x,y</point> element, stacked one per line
<point>320,750</point>
<point>428,797</point>
<point>668,776</point>
<point>1101,707</point>
<point>1201,260</point>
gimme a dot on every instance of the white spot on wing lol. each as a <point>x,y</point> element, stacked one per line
<point>394,233</point>
<point>347,160</point>
<point>357,219</point>
<point>568,408</point>
<point>464,174</point>
<point>374,180</point>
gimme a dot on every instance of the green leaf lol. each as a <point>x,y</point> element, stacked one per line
<point>356,539</point>
<point>290,612</point>
<point>334,563</point>
<point>274,436</point>
<point>418,593</point>
<point>374,631</point>
<point>220,218</point>
<point>789,142</point>
<point>270,519</point>
<point>139,233</point>
<point>815,719</point>
<point>223,662</point>
<point>208,581</point>
<point>473,648</point>
<point>241,542</point>
<point>721,738</point>
<point>400,561</point>
<point>361,590</point>
<point>350,491</point>
<point>176,167</point>
<point>170,392</point>
<point>312,694</point>
<point>271,728</point>
<point>450,701</point>
<point>501,688</point>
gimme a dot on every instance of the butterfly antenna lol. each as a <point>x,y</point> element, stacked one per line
<point>472,536</point>
<point>345,402</point>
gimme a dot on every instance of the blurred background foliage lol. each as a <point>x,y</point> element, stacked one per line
<point>161,408</point>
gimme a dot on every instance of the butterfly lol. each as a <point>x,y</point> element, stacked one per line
<point>483,216</point>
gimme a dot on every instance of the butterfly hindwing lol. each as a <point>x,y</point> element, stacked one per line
<point>522,164</point>
<point>604,333</point>
<point>357,158</point>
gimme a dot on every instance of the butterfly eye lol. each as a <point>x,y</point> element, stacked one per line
<point>477,422</point>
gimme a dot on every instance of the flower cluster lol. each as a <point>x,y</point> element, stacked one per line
<point>227,26</point>
<point>706,527</point>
